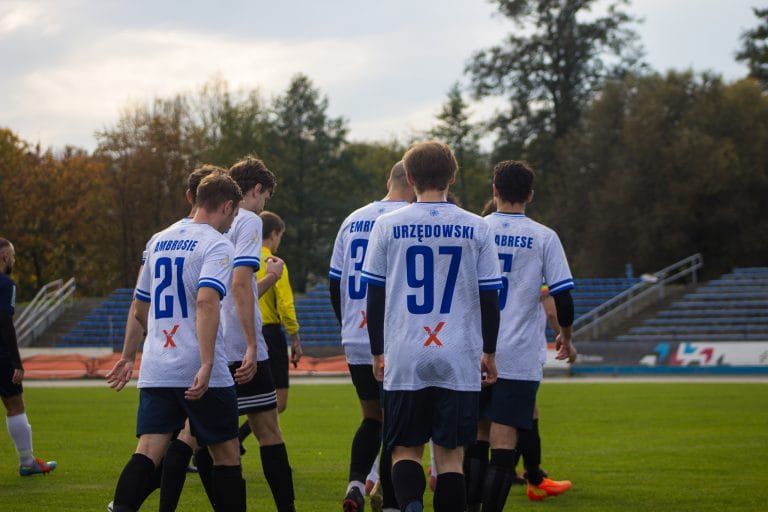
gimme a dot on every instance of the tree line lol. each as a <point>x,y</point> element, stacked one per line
<point>632,165</point>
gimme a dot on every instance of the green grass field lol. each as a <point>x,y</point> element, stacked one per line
<point>627,447</point>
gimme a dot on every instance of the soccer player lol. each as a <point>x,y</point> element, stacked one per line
<point>528,253</point>
<point>122,371</point>
<point>12,371</point>
<point>257,397</point>
<point>348,298</point>
<point>433,316</point>
<point>184,370</point>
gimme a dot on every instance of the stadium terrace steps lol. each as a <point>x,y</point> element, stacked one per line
<point>733,307</point>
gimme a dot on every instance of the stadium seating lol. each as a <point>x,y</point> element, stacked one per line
<point>733,307</point>
<point>104,326</point>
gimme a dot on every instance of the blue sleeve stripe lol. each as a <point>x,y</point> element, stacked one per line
<point>247,261</point>
<point>566,284</point>
<point>374,276</point>
<point>334,271</point>
<point>493,280</point>
<point>335,277</point>
<point>375,282</point>
<point>142,295</point>
<point>486,287</point>
<point>209,282</point>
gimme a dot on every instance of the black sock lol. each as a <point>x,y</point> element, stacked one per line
<point>409,483</point>
<point>385,477</point>
<point>365,447</point>
<point>133,481</point>
<point>153,483</point>
<point>498,480</point>
<point>174,474</point>
<point>228,488</point>
<point>244,431</point>
<point>450,493</point>
<point>277,471</point>
<point>529,445</point>
<point>205,471</point>
<point>475,463</point>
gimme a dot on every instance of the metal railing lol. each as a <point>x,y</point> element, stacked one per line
<point>49,303</point>
<point>627,302</point>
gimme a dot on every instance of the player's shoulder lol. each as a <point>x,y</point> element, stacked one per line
<point>6,281</point>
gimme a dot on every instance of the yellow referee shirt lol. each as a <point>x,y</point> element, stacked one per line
<point>277,303</point>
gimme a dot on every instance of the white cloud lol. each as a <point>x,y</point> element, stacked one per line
<point>21,15</point>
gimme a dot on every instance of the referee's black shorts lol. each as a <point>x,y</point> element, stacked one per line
<point>278,353</point>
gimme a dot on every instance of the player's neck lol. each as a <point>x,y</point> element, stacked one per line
<point>432,196</point>
<point>505,207</point>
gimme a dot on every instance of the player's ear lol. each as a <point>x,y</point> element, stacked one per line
<point>530,197</point>
<point>189,197</point>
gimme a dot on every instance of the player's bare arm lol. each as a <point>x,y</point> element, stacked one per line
<point>207,324</point>
<point>121,373</point>
<point>274,267</point>
<point>245,302</point>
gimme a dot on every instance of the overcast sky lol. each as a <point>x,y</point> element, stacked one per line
<point>68,67</point>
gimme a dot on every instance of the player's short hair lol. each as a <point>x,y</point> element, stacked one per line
<point>397,176</point>
<point>250,171</point>
<point>4,244</point>
<point>430,165</point>
<point>196,176</point>
<point>513,180</point>
<point>270,223</point>
<point>215,190</point>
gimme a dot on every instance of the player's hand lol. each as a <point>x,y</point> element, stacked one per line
<point>18,376</point>
<point>275,265</point>
<point>488,369</point>
<point>120,374</point>
<point>565,349</point>
<point>296,350</point>
<point>247,370</point>
<point>378,367</point>
<point>200,384</point>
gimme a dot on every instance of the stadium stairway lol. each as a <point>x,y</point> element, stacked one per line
<point>733,307</point>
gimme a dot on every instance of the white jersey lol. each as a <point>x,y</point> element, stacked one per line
<point>433,260</point>
<point>245,235</point>
<point>528,253</point>
<point>180,222</point>
<point>346,266</point>
<point>180,260</point>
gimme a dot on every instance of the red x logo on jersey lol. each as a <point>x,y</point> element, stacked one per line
<point>169,336</point>
<point>433,335</point>
<point>364,321</point>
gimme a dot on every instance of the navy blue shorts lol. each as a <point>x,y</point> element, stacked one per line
<point>213,418</point>
<point>258,394</point>
<point>510,402</point>
<point>366,385</point>
<point>448,417</point>
<point>7,387</point>
<point>278,353</point>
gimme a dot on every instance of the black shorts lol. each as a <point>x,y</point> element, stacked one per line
<point>7,387</point>
<point>367,387</point>
<point>213,418</point>
<point>259,393</point>
<point>278,354</point>
<point>446,416</point>
<point>510,402</point>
